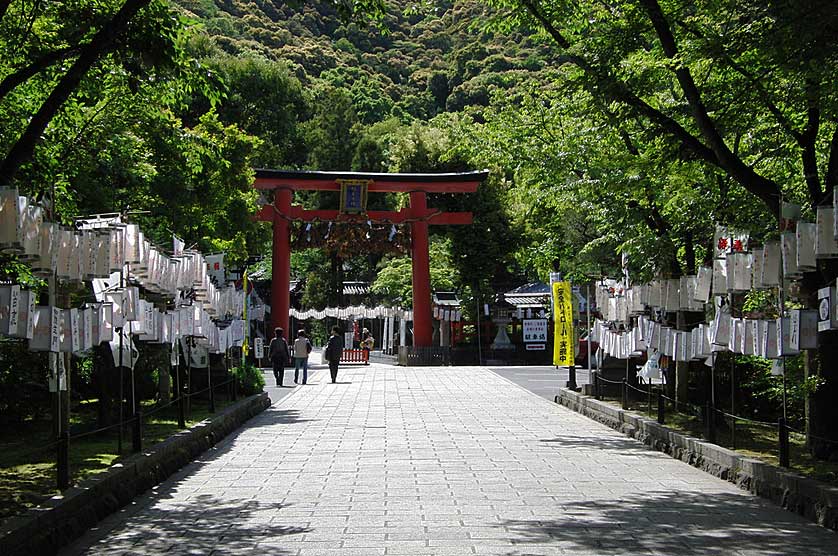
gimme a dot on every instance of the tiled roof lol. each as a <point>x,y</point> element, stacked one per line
<point>533,288</point>
<point>356,288</point>
<point>446,299</point>
<point>528,301</point>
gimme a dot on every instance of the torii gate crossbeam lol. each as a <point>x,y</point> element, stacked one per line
<point>282,212</point>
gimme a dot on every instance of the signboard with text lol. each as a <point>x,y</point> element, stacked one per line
<point>535,331</point>
<point>563,347</point>
<point>353,196</point>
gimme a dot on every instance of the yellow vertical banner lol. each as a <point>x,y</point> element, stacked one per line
<point>563,347</point>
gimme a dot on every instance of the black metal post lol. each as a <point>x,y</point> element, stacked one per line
<point>784,442</point>
<point>211,389</point>
<point>625,394</point>
<point>181,410</point>
<point>661,409</point>
<point>137,431</point>
<point>710,422</point>
<point>62,466</point>
<point>595,379</point>
<point>650,397</point>
<point>571,378</point>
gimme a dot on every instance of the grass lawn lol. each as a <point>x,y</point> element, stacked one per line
<point>27,473</point>
<point>752,440</point>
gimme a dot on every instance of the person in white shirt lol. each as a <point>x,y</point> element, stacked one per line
<point>302,347</point>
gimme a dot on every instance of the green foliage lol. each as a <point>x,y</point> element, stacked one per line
<point>249,379</point>
<point>765,391</point>
<point>394,280</point>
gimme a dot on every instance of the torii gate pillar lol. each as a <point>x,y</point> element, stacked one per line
<point>281,264</point>
<point>282,212</point>
<point>422,326</point>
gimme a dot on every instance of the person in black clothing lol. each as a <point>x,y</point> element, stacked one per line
<point>334,349</point>
<point>278,350</point>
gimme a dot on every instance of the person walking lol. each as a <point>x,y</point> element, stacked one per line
<point>367,343</point>
<point>334,349</point>
<point>302,347</point>
<point>278,351</point>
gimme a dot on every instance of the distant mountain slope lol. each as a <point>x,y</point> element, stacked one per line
<point>422,65</point>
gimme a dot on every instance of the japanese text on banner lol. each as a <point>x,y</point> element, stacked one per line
<point>563,348</point>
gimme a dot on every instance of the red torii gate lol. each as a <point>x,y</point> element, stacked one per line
<point>282,212</point>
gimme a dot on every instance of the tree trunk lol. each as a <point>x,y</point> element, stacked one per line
<point>101,44</point>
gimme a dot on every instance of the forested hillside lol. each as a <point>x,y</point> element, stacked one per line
<point>413,66</point>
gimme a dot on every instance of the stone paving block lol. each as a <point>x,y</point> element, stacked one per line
<point>434,462</point>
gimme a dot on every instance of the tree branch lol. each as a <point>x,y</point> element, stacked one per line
<point>765,189</point>
<point>615,90</point>
<point>22,74</point>
<point>101,43</point>
<point>754,81</point>
<point>807,142</point>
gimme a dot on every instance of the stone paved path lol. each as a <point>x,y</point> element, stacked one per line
<point>442,461</point>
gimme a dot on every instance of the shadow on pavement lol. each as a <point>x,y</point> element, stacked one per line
<point>673,523</point>
<point>621,445</point>
<point>199,526</point>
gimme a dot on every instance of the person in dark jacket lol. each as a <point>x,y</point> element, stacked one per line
<point>334,349</point>
<point>278,350</point>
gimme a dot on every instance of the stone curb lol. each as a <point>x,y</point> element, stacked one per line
<point>807,497</point>
<point>64,517</point>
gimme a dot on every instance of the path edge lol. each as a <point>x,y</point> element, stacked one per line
<point>812,499</point>
<point>65,517</point>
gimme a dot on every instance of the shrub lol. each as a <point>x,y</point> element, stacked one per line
<point>249,379</point>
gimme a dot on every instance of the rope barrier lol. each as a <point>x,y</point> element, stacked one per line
<point>812,436</point>
<point>609,381</point>
<point>636,389</point>
<point>160,408</point>
<point>102,429</point>
<point>745,419</point>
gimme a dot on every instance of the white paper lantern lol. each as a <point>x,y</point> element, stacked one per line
<point>45,263</point>
<point>737,331</point>
<point>826,246</point>
<point>771,264</point>
<point>756,271</point>
<point>86,327</point>
<point>107,322</point>
<point>672,302</point>
<point>738,272</point>
<point>803,329</point>
<point>721,325</point>
<point>768,337</point>
<point>69,341</point>
<point>32,218</point>
<point>133,238</point>
<point>720,276</point>
<point>21,312</point>
<point>788,241</point>
<point>12,206</point>
<point>42,328</point>
<point>687,290</point>
<point>784,331</point>
<point>805,236</point>
<point>704,283</point>
<point>116,248</point>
